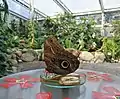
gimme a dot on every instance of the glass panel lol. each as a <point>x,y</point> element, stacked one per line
<point>110,16</point>
<point>20,10</point>
<point>82,5</point>
<point>49,7</point>
<point>111,3</point>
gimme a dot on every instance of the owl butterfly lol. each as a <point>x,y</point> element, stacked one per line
<point>57,59</point>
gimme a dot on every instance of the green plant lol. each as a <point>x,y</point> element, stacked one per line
<point>6,31</point>
<point>5,65</point>
<point>80,34</point>
<point>13,41</point>
<point>68,43</point>
<point>117,41</point>
<point>22,29</point>
<point>116,28</point>
<point>36,34</point>
<point>31,32</point>
<point>9,34</point>
<point>112,45</point>
<point>110,48</point>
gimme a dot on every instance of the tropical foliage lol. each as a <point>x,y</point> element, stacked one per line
<point>5,65</point>
<point>79,34</point>
<point>116,28</point>
<point>111,45</point>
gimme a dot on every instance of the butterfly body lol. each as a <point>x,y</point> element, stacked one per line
<point>57,59</point>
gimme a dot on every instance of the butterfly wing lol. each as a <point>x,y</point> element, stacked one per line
<point>57,59</point>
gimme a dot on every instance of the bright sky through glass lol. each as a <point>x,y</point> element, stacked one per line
<point>50,8</point>
<point>111,3</point>
<point>82,5</point>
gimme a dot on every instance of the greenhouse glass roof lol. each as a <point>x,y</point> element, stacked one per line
<point>49,7</point>
<point>111,3</point>
<point>52,7</point>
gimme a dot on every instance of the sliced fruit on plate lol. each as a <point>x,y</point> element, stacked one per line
<point>69,80</point>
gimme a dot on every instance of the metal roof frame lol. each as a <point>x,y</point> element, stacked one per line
<point>25,4</point>
<point>96,12</point>
<point>103,17</point>
<point>67,10</point>
<point>101,5</point>
<point>62,6</point>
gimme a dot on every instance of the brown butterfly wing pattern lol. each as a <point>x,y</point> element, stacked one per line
<point>57,59</point>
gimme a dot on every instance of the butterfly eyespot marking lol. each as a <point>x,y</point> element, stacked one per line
<point>65,64</point>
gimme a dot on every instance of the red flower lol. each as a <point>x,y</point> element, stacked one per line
<point>25,81</point>
<point>44,95</point>
<point>7,85</point>
<point>105,77</point>
<point>112,93</point>
<point>112,90</point>
<point>100,95</point>
<point>93,76</point>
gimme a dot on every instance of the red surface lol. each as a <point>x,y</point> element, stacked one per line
<point>44,95</point>
<point>100,95</point>
<point>112,90</point>
<point>25,81</point>
<point>93,76</point>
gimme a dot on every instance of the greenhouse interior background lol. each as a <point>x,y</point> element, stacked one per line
<point>89,29</point>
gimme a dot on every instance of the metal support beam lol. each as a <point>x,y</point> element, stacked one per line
<point>17,15</point>
<point>101,5</point>
<point>27,5</point>
<point>103,17</point>
<point>87,13</point>
<point>31,9</point>
<point>40,13</point>
<point>96,12</point>
<point>62,6</point>
<point>102,24</point>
